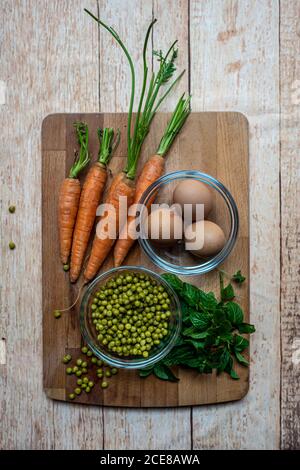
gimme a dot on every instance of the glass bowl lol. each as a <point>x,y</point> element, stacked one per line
<point>176,259</point>
<point>89,332</point>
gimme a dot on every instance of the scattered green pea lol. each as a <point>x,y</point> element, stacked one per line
<point>88,389</point>
<point>104,384</point>
<point>85,380</point>
<point>77,391</point>
<point>67,358</point>
<point>79,362</point>
<point>108,373</point>
<point>12,209</point>
<point>84,349</point>
<point>12,245</point>
<point>114,371</point>
<point>84,370</point>
<point>66,267</point>
<point>75,369</point>
<point>57,313</point>
<point>79,373</point>
<point>89,353</point>
<point>79,382</point>
<point>84,364</point>
<point>69,370</point>
<point>94,360</point>
<point>71,396</point>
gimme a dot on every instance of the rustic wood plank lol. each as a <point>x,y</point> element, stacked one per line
<point>168,428</point>
<point>290,222</point>
<point>55,68</point>
<point>234,65</point>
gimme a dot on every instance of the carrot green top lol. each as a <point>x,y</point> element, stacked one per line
<point>82,157</point>
<point>146,109</point>
<point>107,144</point>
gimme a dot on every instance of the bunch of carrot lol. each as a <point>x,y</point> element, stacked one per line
<point>77,209</point>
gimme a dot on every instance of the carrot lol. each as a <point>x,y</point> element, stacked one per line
<point>89,200</point>
<point>123,183</point>
<point>103,241</point>
<point>69,194</point>
<point>151,171</point>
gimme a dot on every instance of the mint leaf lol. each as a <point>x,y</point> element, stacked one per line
<point>241,359</point>
<point>238,277</point>
<point>193,333</point>
<point>146,372</point>
<point>200,320</point>
<point>223,360</point>
<point>190,294</point>
<point>240,343</point>
<point>227,293</point>
<point>164,373</point>
<point>196,343</point>
<point>173,281</point>
<point>207,301</point>
<point>234,313</point>
<point>246,328</point>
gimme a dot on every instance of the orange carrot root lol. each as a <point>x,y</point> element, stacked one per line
<point>89,200</point>
<point>151,171</point>
<point>69,195</point>
<point>102,244</point>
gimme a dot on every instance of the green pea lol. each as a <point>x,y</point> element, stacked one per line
<point>83,386</point>
<point>84,370</point>
<point>67,358</point>
<point>12,245</point>
<point>91,384</point>
<point>84,364</point>
<point>57,314</point>
<point>88,389</point>
<point>107,373</point>
<point>89,353</point>
<point>71,396</point>
<point>104,384</point>
<point>79,382</point>
<point>66,267</point>
<point>79,362</point>
<point>69,370</point>
<point>114,371</point>
<point>85,380</point>
<point>94,360</point>
<point>77,391</point>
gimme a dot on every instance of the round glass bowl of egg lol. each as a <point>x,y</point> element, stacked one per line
<point>188,222</point>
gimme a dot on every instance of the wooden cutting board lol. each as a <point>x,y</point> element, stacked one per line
<point>215,143</point>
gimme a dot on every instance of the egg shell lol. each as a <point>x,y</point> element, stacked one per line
<point>165,226</point>
<point>206,236</point>
<point>193,192</point>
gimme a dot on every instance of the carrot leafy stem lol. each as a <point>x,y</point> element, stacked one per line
<point>176,122</point>
<point>150,99</point>
<point>83,156</point>
<point>108,144</point>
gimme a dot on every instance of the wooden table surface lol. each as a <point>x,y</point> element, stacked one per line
<point>239,55</point>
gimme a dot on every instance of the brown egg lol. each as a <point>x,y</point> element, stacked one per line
<point>165,226</point>
<point>193,192</point>
<point>204,238</point>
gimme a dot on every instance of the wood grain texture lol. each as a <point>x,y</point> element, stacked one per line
<point>52,61</point>
<point>290,222</point>
<point>244,75</point>
<point>225,156</point>
<point>55,68</point>
<point>170,422</point>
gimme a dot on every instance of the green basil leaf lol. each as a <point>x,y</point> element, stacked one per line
<point>234,313</point>
<point>241,359</point>
<point>164,373</point>
<point>238,277</point>
<point>246,328</point>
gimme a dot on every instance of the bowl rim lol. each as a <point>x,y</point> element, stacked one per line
<point>129,363</point>
<point>220,257</point>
